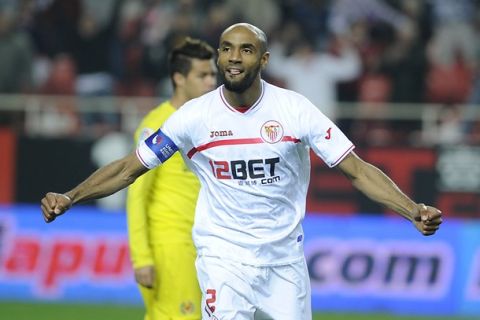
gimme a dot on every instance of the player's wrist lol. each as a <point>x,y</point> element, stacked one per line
<point>409,211</point>
<point>414,210</point>
<point>68,197</point>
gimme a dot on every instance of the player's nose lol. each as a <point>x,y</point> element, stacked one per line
<point>235,56</point>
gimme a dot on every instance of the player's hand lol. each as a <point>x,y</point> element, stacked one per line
<point>145,276</point>
<point>426,219</point>
<point>54,205</point>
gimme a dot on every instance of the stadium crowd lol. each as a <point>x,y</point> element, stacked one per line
<point>368,51</point>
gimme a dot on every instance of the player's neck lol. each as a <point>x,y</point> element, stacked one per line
<point>178,99</point>
<point>244,100</point>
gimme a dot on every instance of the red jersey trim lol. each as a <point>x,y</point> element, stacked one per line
<point>222,97</point>
<point>140,158</point>
<point>290,139</point>
<point>231,142</point>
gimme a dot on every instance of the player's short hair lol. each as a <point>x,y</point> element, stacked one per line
<point>259,33</point>
<point>180,57</point>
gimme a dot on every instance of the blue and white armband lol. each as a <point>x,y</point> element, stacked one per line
<point>156,149</point>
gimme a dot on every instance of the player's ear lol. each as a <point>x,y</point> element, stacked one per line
<point>179,79</point>
<point>264,60</point>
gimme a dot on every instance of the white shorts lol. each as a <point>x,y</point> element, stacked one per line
<point>234,291</point>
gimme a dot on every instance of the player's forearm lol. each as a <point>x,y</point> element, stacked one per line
<point>140,251</point>
<point>380,188</point>
<point>105,181</point>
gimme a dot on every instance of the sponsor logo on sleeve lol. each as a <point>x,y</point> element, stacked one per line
<point>328,136</point>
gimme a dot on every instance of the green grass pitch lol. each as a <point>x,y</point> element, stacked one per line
<point>55,311</point>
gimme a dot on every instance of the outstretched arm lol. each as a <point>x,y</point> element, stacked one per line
<point>379,187</point>
<point>103,182</point>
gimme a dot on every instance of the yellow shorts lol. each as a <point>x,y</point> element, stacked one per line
<point>176,294</point>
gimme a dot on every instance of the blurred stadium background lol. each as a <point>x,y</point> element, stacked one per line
<point>400,77</point>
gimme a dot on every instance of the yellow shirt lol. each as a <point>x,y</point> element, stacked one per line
<point>161,203</point>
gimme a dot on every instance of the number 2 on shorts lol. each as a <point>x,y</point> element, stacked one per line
<point>211,298</point>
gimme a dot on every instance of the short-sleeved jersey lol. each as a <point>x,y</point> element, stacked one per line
<point>254,170</point>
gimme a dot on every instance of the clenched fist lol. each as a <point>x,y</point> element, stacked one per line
<point>145,276</point>
<point>426,219</point>
<point>55,204</point>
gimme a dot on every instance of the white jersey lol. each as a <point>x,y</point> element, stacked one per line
<point>254,168</point>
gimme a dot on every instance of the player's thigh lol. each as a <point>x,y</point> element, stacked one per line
<point>286,293</point>
<point>176,293</point>
<point>226,291</point>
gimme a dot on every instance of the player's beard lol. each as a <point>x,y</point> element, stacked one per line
<point>242,85</point>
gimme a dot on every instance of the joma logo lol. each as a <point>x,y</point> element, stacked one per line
<point>221,133</point>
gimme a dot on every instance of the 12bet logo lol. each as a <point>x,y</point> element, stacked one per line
<point>243,170</point>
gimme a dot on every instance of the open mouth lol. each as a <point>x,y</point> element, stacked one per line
<point>234,71</point>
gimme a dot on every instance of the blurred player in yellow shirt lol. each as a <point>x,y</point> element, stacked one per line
<point>161,203</point>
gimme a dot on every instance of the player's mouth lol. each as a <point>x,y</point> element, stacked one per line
<point>233,72</point>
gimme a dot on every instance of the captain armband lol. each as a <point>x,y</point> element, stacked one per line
<point>156,149</point>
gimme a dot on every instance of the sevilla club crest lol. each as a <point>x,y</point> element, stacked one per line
<point>271,131</point>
